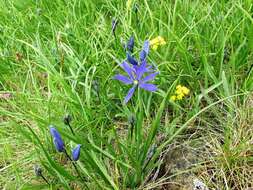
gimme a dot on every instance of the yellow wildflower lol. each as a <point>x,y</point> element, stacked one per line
<point>156,42</point>
<point>180,96</point>
<point>185,90</point>
<point>128,4</point>
<point>178,86</point>
<point>173,98</point>
<point>180,93</point>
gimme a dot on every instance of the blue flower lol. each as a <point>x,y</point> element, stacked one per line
<point>76,152</point>
<point>130,44</point>
<point>58,142</point>
<point>143,54</point>
<point>131,59</point>
<point>145,50</point>
<point>136,73</point>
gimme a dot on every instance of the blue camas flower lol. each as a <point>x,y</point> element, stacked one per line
<point>137,73</point>
<point>76,152</point>
<point>58,142</point>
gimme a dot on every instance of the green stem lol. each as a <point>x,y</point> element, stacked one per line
<point>72,131</point>
<point>73,163</point>
<point>45,179</point>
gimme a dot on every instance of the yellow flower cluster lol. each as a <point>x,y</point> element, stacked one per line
<point>180,93</point>
<point>158,41</point>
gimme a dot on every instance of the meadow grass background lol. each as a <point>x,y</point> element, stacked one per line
<point>59,57</point>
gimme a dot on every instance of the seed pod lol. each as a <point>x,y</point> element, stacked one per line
<point>37,170</point>
<point>67,119</point>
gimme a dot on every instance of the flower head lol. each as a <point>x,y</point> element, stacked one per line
<point>137,73</point>
<point>156,42</point>
<point>58,142</point>
<point>76,152</point>
<point>180,93</point>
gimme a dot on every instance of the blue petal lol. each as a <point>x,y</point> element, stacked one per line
<point>148,87</point>
<point>123,79</point>
<point>127,69</point>
<point>131,59</point>
<point>140,70</point>
<point>149,77</point>
<point>54,132</point>
<point>130,44</point>
<point>146,46</point>
<point>145,50</point>
<point>59,145</point>
<point>129,94</point>
<point>143,55</point>
<point>76,152</point>
<point>58,142</point>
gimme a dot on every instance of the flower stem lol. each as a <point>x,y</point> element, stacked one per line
<point>45,179</point>
<point>73,163</point>
<point>77,171</point>
<point>72,131</point>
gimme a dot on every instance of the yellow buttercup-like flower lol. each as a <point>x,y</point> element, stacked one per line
<point>173,98</point>
<point>180,93</point>
<point>185,90</point>
<point>180,96</point>
<point>156,42</point>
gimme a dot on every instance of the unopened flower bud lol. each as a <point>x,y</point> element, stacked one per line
<point>37,171</point>
<point>67,119</point>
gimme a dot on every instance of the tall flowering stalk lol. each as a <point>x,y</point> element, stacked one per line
<point>139,73</point>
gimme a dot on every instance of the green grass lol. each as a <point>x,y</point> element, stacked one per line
<point>53,52</point>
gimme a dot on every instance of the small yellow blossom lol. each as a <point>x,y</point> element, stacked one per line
<point>180,93</point>
<point>173,98</point>
<point>180,96</point>
<point>178,86</point>
<point>185,90</point>
<point>129,4</point>
<point>156,42</point>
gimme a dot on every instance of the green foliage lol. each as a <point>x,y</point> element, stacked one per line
<point>59,57</point>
